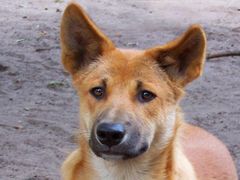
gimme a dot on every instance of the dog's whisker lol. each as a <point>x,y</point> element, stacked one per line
<point>83,132</point>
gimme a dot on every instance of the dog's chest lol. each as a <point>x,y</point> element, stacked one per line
<point>112,171</point>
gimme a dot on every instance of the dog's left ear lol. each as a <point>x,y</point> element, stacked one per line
<point>182,59</point>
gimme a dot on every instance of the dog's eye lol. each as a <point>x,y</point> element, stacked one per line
<point>98,92</point>
<point>145,96</point>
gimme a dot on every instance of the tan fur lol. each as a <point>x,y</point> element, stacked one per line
<point>177,151</point>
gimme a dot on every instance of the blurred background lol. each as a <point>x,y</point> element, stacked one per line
<point>38,106</point>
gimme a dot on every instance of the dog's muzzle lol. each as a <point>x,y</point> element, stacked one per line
<point>114,141</point>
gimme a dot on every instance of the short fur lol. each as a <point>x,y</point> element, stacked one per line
<point>177,150</point>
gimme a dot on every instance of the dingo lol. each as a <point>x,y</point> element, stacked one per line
<point>131,125</point>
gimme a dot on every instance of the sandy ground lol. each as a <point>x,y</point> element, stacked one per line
<point>38,107</point>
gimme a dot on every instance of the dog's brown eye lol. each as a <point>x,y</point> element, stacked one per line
<point>145,96</point>
<point>97,92</point>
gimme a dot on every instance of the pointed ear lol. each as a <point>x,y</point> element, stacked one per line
<point>182,59</point>
<point>81,40</point>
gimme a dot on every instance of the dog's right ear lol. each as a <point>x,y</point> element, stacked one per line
<point>81,40</point>
<point>183,58</point>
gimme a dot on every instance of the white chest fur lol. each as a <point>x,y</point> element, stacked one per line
<point>119,170</point>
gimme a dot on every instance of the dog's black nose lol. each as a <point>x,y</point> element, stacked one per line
<point>110,134</point>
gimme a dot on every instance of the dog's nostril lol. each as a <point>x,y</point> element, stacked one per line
<point>118,135</point>
<point>110,134</point>
<point>101,134</point>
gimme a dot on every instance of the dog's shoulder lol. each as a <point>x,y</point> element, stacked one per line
<point>77,166</point>
<point>208,155</point>
<point>68,167</point>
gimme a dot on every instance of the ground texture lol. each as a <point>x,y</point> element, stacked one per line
<point>38,106</point>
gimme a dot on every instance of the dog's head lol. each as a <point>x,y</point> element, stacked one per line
<point>128,98</point>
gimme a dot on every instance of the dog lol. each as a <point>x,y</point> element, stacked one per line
<point>131,125</point>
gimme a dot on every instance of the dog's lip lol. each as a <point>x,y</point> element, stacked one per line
<point>117,156</point>
<point>109,152</point>
<point>112,156</point>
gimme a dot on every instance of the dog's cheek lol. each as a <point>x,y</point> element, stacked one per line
<point>87,110</point>
<point>150,132</point>
<point>158,118</point>
<point>87,101</point>
<point>147,122</point>
<point>153,111</point>
<point>91,105</point>
<point>85,116</point>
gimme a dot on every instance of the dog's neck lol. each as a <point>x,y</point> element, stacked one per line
<point>168,162</point>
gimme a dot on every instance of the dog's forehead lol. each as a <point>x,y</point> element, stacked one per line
<point>129,64</point>
<point>123,67</point>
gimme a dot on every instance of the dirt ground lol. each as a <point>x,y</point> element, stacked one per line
<point>38,106</point>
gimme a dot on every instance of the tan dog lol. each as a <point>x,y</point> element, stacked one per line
<point>131,126</point>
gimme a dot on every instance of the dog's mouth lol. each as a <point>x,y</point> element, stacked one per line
<point>112,157</point>
<point>121,152</point>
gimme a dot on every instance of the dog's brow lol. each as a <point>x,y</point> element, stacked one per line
<point>104,83</point>
<point>139,84</point>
